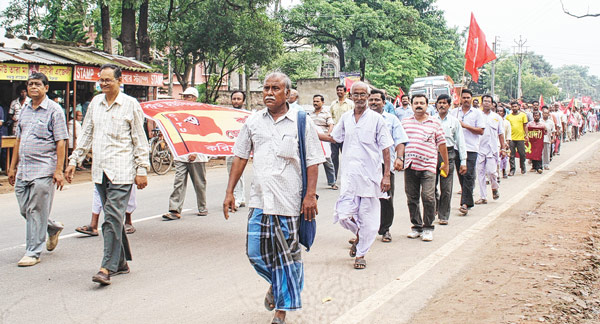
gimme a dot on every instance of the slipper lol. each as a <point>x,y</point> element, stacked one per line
<point>87,230</point>
<point>129,229</point>
<point>353,249</point>
<point>270,300</point>
<point>171,216</point>
<point>334,187</point>
<point>277,320</point>
<point>463,210</point>
<point>360,263</point>
<point>351,241</point>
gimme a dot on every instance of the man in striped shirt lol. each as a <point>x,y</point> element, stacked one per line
<point>425,138</point>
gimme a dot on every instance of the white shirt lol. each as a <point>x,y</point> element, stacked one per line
<point>116,136</point>
<point>364,140</point>
<point>70,130</point>
<point>277,181</point>
<point>489,145</point>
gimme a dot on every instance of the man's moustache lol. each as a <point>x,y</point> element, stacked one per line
<point>269,97</point>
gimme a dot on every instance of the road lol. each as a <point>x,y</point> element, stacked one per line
<point>195,270</point>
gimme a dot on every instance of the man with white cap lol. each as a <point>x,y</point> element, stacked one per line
<point>194,165</point>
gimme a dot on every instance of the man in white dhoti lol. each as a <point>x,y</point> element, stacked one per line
<point>366,138</point>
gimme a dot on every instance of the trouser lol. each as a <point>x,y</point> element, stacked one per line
<point>443,196</point>
<point>35,202</point>
<point>420,185</point>
<point>329,171</point>
<point>97,203</point>
<point>273,248</point>
<point>387,208</point>
<point>575,132</point>
<point>546,153</point>
<point>537,164</point>
<point>197,172</point>
<point>468,180</point>
<point>520,147</point>
<point>336,149</point>
<point>114,198</point>
<point>361,216</point>
<point>487,167</point>
<point>239,192</point>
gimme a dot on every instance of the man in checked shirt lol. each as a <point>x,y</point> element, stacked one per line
<point>113,129</point>
<point>37,164</point>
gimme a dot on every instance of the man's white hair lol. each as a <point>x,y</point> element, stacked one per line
<point>360,83</point>
<point>286,79</point>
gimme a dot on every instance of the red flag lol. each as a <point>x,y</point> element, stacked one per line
<point>401,93</point>
<point>571,104</point>
<point>586,100</point>
<point>542,101</point>
<point>478,52</point>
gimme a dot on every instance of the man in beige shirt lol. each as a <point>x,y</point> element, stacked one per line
<point>114,130</point>
<point>337,108</point>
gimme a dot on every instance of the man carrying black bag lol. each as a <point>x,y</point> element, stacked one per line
<point>273,243</point>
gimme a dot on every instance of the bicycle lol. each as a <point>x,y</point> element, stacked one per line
<point>161,158</point>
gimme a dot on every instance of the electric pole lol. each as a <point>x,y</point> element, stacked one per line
<point>520,53</point>
<point>494,66</point>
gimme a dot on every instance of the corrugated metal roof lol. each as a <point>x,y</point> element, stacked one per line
<point>16,55</point>
<point>92,56</point>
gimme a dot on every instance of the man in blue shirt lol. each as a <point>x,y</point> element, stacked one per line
<point>376,100</point>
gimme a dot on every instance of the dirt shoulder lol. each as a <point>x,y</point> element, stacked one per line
<point>541,262</point>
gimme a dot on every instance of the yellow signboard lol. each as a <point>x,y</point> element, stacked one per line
<point>20,72</point>
<point>16,72</point>
<point>55,73</point>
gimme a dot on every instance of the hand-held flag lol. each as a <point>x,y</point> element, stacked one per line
<point>478,52</point>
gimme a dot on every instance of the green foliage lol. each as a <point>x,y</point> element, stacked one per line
<point>389,42</point>
<point>224,36</point>
<point>71,29</point>
<point>297,64</point>
<point>15,17</point>
<point>575,80</point>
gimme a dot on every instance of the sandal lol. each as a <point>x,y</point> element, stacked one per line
<point>353,248</point>
<point>360,263</point>
<point>351,241</point>
<point>171,216</point>
<point>387,237</point>
<point>129,229</point>
<point>87,230</point>
<point>463,210</point>
<point>270,300</point>
<point>334,187</point>
<point>277,320</point>
<point>481,202</point>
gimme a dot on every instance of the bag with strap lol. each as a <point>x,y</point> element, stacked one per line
<point>307,230</point>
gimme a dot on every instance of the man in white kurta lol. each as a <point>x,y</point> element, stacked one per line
<point>489,148</point>
<point>366,138</point>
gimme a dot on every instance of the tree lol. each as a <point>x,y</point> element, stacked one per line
<point>71,29</point>
<point>143,38</point>
<point>23,17</point>
<point>353,27</point>
<point>105,25</point>
<point>297,64</point>
<point>127,37</point>
<point>223,39</point>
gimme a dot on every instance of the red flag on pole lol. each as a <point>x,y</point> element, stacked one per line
<point>478,52</point>
<point>398,101</point>
<point>542,101</point>
<point>571,104</point>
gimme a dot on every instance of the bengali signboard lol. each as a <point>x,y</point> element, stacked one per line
<point>92,74</point>
<point>13,71</point>
<point>54,73</point>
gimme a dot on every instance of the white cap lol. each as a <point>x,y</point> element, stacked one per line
<point>191,91</point>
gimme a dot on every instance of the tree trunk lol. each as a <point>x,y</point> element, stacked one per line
<point>105,22</point>
<point>363,64</point>
<point>142,34</point>
<point>342,55</point>
<point>127,37</point>
<point>247,79</point>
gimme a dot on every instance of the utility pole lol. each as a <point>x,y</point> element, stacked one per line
<point>494,66</point>
<point>520,57</point>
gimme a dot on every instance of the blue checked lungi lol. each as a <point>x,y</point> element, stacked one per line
<point>274,251</point>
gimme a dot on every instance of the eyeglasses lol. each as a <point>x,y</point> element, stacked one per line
<point>35,84</point>
<point>360,95</point>
<point>107,81</point>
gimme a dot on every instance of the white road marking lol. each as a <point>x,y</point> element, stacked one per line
<point>66,236</point>
<point>362,310</point>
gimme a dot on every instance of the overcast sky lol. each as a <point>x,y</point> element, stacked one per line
<point>562,39</point>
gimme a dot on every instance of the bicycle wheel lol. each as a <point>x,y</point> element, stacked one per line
<point>161,158</point>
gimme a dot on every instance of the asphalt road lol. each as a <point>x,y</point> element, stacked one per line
<point>195,270</point>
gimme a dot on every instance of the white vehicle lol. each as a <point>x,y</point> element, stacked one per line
<point>433,86</point>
